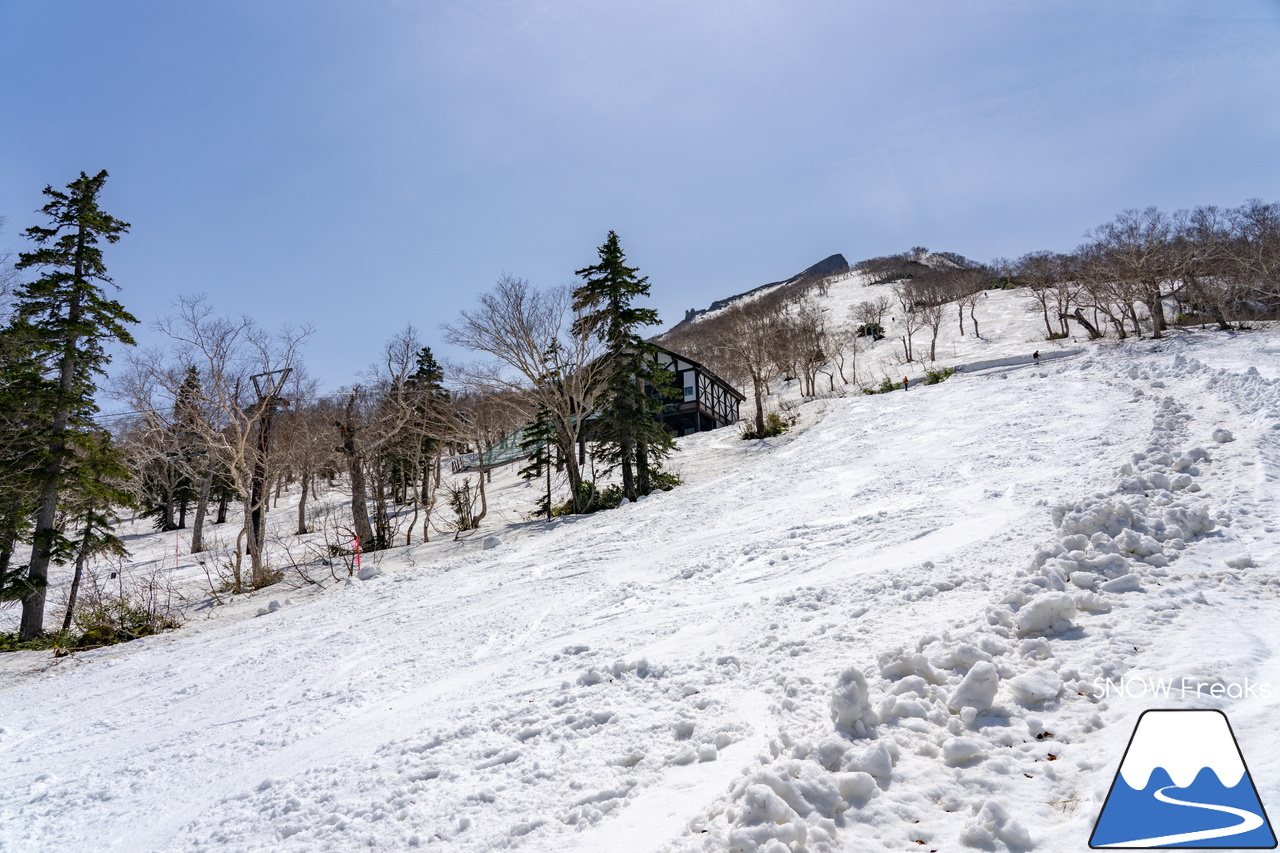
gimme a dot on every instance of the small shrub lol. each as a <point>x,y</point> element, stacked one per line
<point>462,500</point>
<point>887,385</point>
<point>871,330</point>
<point>117,620</point>
<point>52,640</point>
<point>664,481</point>
<point>933,377</point>
<point>139,606</point>
<point>268,576</point>
<point>774,424</point>
<point>590,499</point>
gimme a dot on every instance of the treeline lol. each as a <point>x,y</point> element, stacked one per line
<point>792,335</point>
<point>223,419</point>
<point>1135,275</point>
<point>1148,269</point>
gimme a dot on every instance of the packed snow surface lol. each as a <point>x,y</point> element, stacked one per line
<point>922,620</point>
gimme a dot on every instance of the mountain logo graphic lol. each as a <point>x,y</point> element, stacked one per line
<point>1183,783</point>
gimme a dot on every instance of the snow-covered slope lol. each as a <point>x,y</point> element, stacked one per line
<point>1007,324</point>
<point>891,627</point>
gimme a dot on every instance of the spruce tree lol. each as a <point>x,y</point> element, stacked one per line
<point>65,319</point>
<point>627,424</point>
<point>424,437</point>
<point>537,443</point>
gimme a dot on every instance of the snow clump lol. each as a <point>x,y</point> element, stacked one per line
<point>1050,613</point>
<point>850,704</point>
<point>977,689</point>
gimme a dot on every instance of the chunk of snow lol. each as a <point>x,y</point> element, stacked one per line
<point>962,655</point>
<point>959,750</point>
<point>1124,583</point>
<point>1222,436</point>
<point>876,760</point>
<point>978,688</point>
<point>850,703</point>
<point>761,805</point>
<point>1050,613</point>
<point>1038,685</point>
<point>1091,602</point>
<point>857,787</point>
<point>900,664</point>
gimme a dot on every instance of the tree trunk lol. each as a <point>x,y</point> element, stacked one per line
<point>302,505</point>
<point>1215,311</point>
<point>255,543</point>
<point>355,470</point>
<point>1155,307</point>
<point>202,508</point>
<point>484,502</point>
<point>359,498</point>
<point>756,383</point>
<point>429,492</point>
<point>417,508</point>
<point>381,518</point>
<point>643,485</point>
<point>222,509</point>
<point>1079,317</point>
<point>573,470</point>
<point>626,450</point>
<point>166,514</point>
<point>81,556</point>
<point>549,451</point>
<point>32,624</point>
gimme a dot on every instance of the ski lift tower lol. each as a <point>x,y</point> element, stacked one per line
<point>269,402</point>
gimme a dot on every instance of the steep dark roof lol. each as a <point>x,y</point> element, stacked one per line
<point>734,391</point>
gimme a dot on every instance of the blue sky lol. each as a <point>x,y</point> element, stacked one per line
<point>361,165</point>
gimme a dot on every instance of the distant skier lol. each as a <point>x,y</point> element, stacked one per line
<point>904,383</point>
<point>1035,357</point>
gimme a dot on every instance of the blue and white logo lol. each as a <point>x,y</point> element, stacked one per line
<point>1183,783</point>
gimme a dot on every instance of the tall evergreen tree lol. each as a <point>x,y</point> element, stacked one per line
<point>66,319</point>
<point>627,424</point>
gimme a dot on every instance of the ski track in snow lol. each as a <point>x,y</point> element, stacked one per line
<point>661,677</point>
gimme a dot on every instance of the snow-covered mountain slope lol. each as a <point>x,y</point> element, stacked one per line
<point>1008,325</point>
<point>891,627</point>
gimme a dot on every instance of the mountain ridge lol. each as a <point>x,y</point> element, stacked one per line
<point>828,266</point>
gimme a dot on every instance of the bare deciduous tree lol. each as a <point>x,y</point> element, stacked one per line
<point>537,361</point>
<point>745,339</point>
<point>227,352</point>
